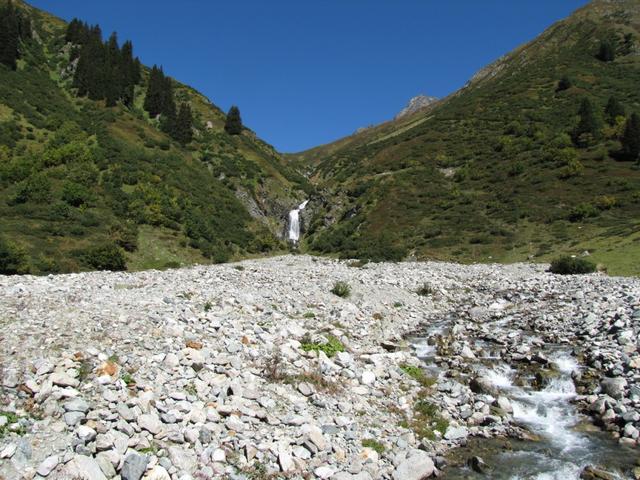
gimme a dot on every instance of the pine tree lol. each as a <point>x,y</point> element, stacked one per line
<point>564,84</point>
<point>184,124</point>
<point>154,97</point>
<point>631,138</point>
<point>233,125</point>
<point>9,35</point>
<point>588,127</point>
<point>606,53</point>
<point>613,110</point>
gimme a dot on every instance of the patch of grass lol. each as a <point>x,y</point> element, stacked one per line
<point>427,420</point>
<point>341,289</point>
<point>240,268</point>
<point>330,348</point>
<point>309,315</point>
<point>373,444</point>
<point>398,305</point>
<point>317,380</point>
<point>418,374</point>
<point>11,419</point>
<point>207,306</point>
<point>128,379</point>
<point>190,388</point>
<point>572,266</point>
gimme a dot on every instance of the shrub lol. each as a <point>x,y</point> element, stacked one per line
<point>75,194</point>
<point>582,211</point>
<point>13,260</point>
<point>571,266</point>
<point>341,289</point>
<point>104,257</point>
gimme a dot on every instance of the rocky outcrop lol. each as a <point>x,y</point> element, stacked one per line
<point>416,104</point>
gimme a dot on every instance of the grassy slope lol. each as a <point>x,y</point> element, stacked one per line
<point>36,101</point>
<point>392,186</point>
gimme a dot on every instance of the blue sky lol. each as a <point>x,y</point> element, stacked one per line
<point>307,72</point>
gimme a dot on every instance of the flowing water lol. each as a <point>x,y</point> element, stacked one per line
<point>294,222</point>
<point>564,447</point>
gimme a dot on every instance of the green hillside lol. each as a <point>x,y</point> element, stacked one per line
<point>86,186</point>
<point>498,171</point>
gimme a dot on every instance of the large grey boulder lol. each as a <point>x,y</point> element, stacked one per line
<point>417,466</point>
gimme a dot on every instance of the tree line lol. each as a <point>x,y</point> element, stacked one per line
<point>14,28</point>
<point>105,71</point>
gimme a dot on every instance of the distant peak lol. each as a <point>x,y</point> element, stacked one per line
<point>416,103</point>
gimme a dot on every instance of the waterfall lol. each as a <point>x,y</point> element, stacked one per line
<point>294,222</point>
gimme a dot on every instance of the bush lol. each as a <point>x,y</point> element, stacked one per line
<point>13,260</point>
<point>426,290</point>
<point>104,257</point>
<point>75,194</point>
<point>582,211</point>
<point>572,266</point>
<point>341,289</point>
<point>330,348</point>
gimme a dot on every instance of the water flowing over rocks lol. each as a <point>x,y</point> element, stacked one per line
<point>242,370</point>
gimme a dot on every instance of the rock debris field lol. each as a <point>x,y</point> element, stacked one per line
<point>257,370</point>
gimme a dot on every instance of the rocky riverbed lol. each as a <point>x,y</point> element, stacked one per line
<point>257,370</point>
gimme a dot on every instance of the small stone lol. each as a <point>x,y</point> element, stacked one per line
<point>324,472</point>
<point>86,434</point>
<point>48,465</point>
<point>151,423</point>
<point>417,466</point>
<point>64,380</point>
<point>134,466</point>
<point>367,378</point>
<point>76,405</point>
<point>306,389</point>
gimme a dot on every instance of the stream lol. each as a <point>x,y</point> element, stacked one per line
<point>565,440</point>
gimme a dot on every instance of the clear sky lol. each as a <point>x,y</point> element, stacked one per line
<point>306,72</point>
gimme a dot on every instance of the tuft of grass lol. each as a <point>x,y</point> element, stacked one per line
<point>373,444</point>
<point>571,266</point>
<point>316,379</point>
<point>240,268</point>
<point>341,289</point>
<point>398,305</point>
<point>11,419</point>
<point>309,315</point>
<point>427,420</point>
<point>208,306</point>
<point>418,374</point>
<point>128,379</point>
<point>330,348</point>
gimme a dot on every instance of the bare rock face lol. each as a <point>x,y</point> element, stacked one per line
<point>415,104</point>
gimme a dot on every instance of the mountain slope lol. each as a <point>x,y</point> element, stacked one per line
<point>77,178</point>
<point>492,172</point>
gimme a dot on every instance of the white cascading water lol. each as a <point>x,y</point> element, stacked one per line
<point>294,222</point>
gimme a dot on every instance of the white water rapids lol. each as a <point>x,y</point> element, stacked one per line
<point>294,222</point>
<point>563,449</point>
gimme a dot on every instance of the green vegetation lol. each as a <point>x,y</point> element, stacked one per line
<point>13,259</point>
<point>418,374</point>
<point>233,124</point>
<point>341,289</point>
<point>128,379</point>
<point>427,420</point>
<point>496,172</point>
<point>91,178</point>
<point>373,444</point>
<point>330,348</point>
<point>12,418</point>
<point>572,266</point>
<point>15,27</point>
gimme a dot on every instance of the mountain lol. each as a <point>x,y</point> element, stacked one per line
<point>524,162</point>
<point>416,104</point>
<point>85,185</point>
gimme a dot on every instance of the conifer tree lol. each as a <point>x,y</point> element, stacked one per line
<point>563,84</point>
<point>233,125</point>
<point>606,53</point>
<point>631,138</point>
<point>184,124</point>
<point>153,101</point>
<point>588,127</point>
<point>10,27</point>
<point>613,110</point>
